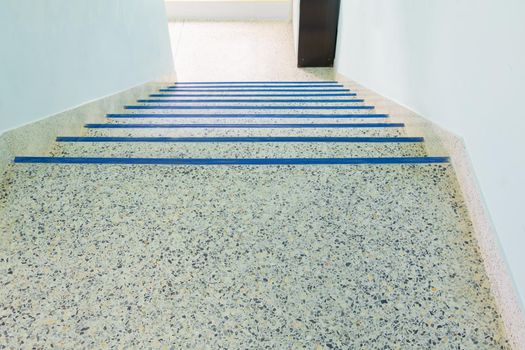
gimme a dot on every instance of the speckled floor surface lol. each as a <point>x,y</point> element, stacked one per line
<point>241,118</point>
<point>163,132</point>
<point>242,257</point>
<point>239,150</point>
<point>238,51</point>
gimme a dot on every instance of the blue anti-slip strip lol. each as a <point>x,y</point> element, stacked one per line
<point>248,116</point>
<point>254,82</point>
<point>348,94</point>
<point>249,139</point>
<point>242,126</point>
<point>355,100</point>
<point>300,86</point>
<point>254,90</point>
<point>251,107</point>
<point>234,161</point>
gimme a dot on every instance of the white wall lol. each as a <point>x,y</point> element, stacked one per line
<point>228,10</point>
<point>57,54</point>
<point>461,64</point>
<point>296,11</point>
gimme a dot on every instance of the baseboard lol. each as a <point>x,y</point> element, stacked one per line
<point>228,10</point>
<point>439,141</point>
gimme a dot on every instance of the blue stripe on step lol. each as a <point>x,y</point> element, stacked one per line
<point>251,107</point>
<point>242,126</point>
<point>244,116</point>
<point>355,100</point>
<point>349,94</point>
<point>254,82</point>
<point>254,90</point>
<point>235,161</point>
<point>238,139</point>
<point>297,86</point>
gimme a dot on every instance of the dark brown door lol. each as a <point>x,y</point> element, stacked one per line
<point>317,32</point>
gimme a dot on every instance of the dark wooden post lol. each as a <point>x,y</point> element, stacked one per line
<point>318,21</point>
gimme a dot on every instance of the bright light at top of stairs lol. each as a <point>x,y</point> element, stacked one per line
<point>227,0</point>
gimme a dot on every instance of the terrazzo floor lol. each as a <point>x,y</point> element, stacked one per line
<point>242,257</point>
<point>239,150</point>
<point>238,132</point>
<point>238,51</point>
<point>241,118</point>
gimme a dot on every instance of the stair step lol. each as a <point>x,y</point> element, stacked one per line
<point>256,86</point>
<point>245,132</point>
<point>253,82</point>
<point>263,93</point>
<point>252,107</point>
<point>248,94</point>
<point>231,149</point>
<point>249,139</point>
<point>248,126</point>
<point>161,119</point>
<point>259,101</point>
<point>231,161</point>
<point>249,90</point>
<point>197,130</point>
<point>247,116</point>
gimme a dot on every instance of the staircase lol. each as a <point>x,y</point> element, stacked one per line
<point>242,215</point>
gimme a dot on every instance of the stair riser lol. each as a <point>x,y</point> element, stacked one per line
<point>254,95</point>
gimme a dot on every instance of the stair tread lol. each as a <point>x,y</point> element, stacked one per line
<point>218,119</point>
<point>196,132</point>
<point>255,114</point>
<point>255,86</point>
<point>298,95</point>
<point>153,101</point>
<point>269,90</point>
<point>256,82</point>
<point>239,149</point>
<point>261,107</point>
